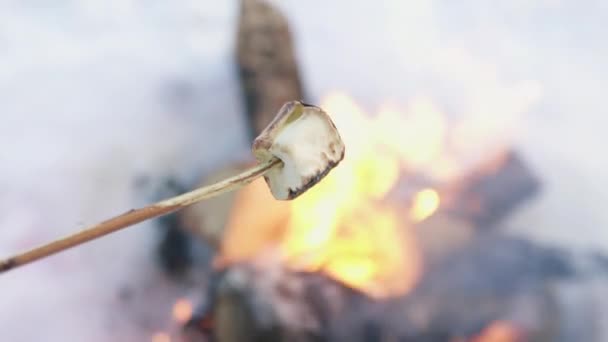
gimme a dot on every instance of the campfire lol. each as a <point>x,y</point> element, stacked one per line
<point>430,222</point>
<point>365,229</point>
<point>402,242</point>
<point>345,227</point>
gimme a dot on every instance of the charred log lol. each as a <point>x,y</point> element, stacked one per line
<point>174,252</point>
<point>492,191</point>
<point>501,279</point>
<point>266,62</point>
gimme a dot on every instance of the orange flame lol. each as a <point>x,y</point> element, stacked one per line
<point>182,311</point>
<point>342,226</point>
<point>499,331</point>
<point>161,337</point>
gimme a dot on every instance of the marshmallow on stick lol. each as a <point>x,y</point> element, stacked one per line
<point>305,139</point>
<point>299,147</point>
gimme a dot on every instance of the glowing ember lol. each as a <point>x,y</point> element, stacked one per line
<point>161,337</point>
<point>499,331</point>
<point>426,203</point>
<point>182,311</point>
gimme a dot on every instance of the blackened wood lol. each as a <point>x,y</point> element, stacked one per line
<point>266,302</point>
<point>266,62</point>
<point>492,191</point>
<point>475,204</point>
<point>495,278</point>
<point>174,252</point>
<point>498,278</point>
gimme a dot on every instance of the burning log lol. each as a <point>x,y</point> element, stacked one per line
<point>269,75</point>
<point>258,298</point>
<point>502,289</point>
<point>476,203</point>
<point>495,278</point>
<point>267,302</point>
<point>452,227</point>
<point>491,191</point>
<point>440,235</point>
<point>266,61</point>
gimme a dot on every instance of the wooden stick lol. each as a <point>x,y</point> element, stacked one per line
<point>138,215</point>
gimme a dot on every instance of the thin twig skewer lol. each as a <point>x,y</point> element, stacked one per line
<point>138,215</point>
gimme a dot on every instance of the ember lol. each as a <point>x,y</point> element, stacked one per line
<point>499,331</point>
<point>182,311</point>
<point>161,337</point>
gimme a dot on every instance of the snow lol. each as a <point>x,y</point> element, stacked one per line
<point>97,94</point>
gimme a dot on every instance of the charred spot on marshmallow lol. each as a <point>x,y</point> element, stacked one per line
<point>308,104</point>
<point>314,180</point>
<point>305,139</point>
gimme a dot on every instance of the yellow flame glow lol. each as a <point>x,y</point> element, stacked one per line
<point>161,337</point>
<point>498,331</point>
<point>342,226</point>
<point>425,204</point>
<point>182,311</point>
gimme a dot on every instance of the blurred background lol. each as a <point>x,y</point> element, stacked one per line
<point>107,105</point>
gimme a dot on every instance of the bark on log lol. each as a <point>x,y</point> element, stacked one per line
<point>267,62</point>
<point>267,303</point>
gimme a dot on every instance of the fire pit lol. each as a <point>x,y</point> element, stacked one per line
<point>429,230</point>
<point>403,242</point>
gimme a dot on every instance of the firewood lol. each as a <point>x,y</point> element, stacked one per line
<point>441,234</point>
<point>267,62</point>
<point>267,302</point>
<point>521,285</point>
<point>492,190</point>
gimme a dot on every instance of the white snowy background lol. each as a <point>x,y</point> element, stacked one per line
<point>97,94</point>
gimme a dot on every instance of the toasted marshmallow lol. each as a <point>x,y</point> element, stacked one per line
<point>305,139</point>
